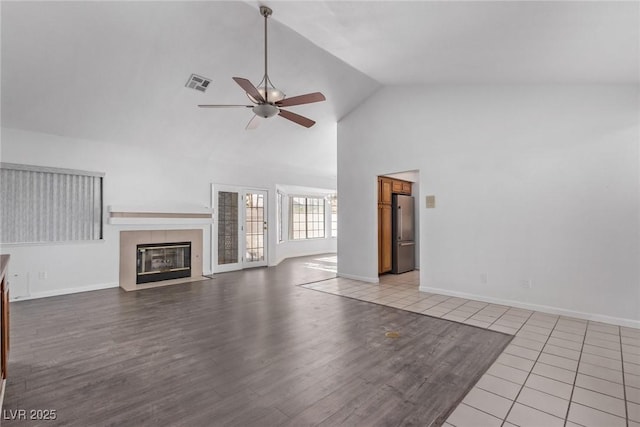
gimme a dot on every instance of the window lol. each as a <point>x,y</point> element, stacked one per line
<point>333,203</point>
<point>280,222</point>
<point>307,217</point>
<point>40,204</point>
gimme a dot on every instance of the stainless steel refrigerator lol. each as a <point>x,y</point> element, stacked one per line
<point>403,234</point>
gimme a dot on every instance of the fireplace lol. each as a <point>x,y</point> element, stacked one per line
<point>162,261</point>
<point>153,258</point>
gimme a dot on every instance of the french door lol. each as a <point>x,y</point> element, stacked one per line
<point>239,228</point>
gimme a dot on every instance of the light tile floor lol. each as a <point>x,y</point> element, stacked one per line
<point>557,371</point>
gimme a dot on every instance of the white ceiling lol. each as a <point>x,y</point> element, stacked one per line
<point>414,42</point>
<point>115,71</point>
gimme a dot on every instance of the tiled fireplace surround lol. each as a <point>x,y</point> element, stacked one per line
<point>128,246</point>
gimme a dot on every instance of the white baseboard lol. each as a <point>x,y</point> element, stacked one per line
<point>65,291</point>
<point>536,307</point>
<point>360,278</point>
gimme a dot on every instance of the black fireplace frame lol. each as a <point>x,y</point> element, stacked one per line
<point>162,275</point>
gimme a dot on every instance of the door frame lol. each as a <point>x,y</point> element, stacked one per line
<point>242,262</point>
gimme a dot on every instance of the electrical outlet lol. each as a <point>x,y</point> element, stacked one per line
<point>526,283</point>
<point>484,278</point>
<point>42,275</point>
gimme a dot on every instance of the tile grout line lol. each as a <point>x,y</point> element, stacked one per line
<point>529,374</point>
<point>624,386</point>
<point>468,317</point>
<point>599,346</point>
<point>523,323</point>
<point>503,314</point>
<point>477,409</point>
<point>584,338</point>
<point>601,379</point>
<point>600,355</point>
<point>443,314</point>
<point>524,404</point>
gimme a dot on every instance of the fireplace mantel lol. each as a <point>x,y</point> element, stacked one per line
<point>154,215</point>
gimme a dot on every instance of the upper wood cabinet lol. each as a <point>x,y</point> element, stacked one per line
<point>397,187</point>
<point>385,190</point>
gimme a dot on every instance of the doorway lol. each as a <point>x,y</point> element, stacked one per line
<point>398,246</point>
<point>240,231</point>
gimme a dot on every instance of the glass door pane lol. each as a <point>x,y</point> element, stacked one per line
<point>255,228</point>
<point>227,228</point>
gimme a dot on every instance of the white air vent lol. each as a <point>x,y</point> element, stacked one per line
<point>198,82</point>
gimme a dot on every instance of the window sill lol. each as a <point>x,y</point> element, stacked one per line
<point>62,243</point>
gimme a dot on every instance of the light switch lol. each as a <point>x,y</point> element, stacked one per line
<point>431,202</point>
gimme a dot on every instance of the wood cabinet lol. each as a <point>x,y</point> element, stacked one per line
<point>384,242</point>
<point>386,188</point>
<point>400,187</point>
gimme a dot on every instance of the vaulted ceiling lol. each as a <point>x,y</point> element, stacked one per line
<point>116,71</point>
<point>468,42</point>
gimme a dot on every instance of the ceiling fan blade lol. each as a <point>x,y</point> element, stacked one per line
<point>249,88</point>
<point>223,106</point>
<point>297,118</point>
<point>253,123</point>
<point>301,99</point>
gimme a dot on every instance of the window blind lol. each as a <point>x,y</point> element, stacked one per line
<point>41,204</point>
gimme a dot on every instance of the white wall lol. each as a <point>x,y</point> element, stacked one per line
<point>134,176</point>
<point>535,183</point>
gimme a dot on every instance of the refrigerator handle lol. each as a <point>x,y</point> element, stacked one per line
<point>400,217</point>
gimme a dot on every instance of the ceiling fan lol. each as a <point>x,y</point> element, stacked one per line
<point>268,100</point>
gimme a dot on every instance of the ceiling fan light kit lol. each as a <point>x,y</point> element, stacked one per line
<point>266,98</point>
<point>266,110</point>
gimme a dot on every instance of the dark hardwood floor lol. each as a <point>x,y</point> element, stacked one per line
<point>244,348</point>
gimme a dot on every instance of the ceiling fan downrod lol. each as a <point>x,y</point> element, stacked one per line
<point>271,93</point>
<point>266,12</point>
